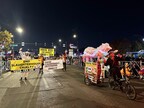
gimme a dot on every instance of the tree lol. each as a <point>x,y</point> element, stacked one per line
<point>5,39</point>
<point>123,45</point>
<point>137,42</point>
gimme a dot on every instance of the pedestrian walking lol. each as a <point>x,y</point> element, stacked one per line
<point>41,57</point>
<point>64,61</point>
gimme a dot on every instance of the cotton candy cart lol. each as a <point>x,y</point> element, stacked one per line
<point>94,71</point>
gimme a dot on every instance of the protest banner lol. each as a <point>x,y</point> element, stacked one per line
<point>24,64</point>
<point>52,64</point>
<point>46,51</point>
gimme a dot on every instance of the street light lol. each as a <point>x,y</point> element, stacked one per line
<point>60,40</point>
<point>12,36</point>
<point>74,36</point>
<point>54,47</point>
<point>19,30</point>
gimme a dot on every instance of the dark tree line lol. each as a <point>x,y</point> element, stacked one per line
<point>126,45</point>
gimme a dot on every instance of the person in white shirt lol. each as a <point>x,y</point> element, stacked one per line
<point>24,56</point>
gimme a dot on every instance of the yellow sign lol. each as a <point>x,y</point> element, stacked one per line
<point>91,67</point>
<point>24,64</point>
<point>90,64</point>
<point>46,51</point>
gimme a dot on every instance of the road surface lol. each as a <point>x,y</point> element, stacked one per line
<point>59,89</point>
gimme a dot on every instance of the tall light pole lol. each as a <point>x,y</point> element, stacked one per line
<point>76,37</point>
<point>59,49</point>
<point>20,31</point>
<point>12,46</point>
<point>60,41</point>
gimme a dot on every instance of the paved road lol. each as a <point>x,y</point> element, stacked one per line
<point>58,89</point>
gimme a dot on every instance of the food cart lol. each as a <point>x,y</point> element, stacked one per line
<point>94,71</point>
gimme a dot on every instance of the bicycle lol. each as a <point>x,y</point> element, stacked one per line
<point>125,86</point>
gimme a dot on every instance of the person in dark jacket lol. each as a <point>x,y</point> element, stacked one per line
<point>112,61</point>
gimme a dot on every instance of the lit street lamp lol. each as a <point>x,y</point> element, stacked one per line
<point>19,30</point>
<point>60,40</point>
<point>74,36</point>
<point>12,36</point>
<point>54,47</point>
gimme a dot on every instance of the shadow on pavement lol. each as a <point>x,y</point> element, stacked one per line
<point>23,96</point>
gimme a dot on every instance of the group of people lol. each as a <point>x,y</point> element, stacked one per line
<point>113,62</point>
<point>27,56</point>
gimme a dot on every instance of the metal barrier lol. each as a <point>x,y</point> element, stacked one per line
<point>135,67</point>
<point>140,64</point>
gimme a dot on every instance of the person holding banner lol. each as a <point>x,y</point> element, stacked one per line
<point>24,56</point>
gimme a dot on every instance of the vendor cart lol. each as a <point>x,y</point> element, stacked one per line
<point>94,71</point>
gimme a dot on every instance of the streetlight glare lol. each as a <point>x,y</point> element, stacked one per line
<point>74,36</point>
<point>19,29</point>
<point>54,47</point>
<point>60,40</point>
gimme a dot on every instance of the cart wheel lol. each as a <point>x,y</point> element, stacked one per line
<point>130,92</point>
<point>87,81</point>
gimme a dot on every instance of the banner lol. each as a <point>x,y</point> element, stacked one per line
<point>95,70</point>
<point>23,64</point>
<point>72,46</point>
<point>52,64</point>
<point>71,52</point>
<point>46,51</point>
<point>90,67</point>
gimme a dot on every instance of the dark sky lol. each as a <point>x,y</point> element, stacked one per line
<point>94,22</point>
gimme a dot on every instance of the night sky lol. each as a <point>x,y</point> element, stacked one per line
<point>94,22</point>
